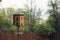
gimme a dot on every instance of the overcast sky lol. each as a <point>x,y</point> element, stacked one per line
<point>42,4</point>
<point>20,3</point>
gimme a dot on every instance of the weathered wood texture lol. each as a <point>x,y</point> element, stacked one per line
<point>4,35</point>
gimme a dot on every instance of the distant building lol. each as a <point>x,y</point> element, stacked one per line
<point>18,19</point>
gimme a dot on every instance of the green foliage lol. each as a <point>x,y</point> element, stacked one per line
<point>24,29</point>
<point>54,16</point>
<point>10,12</point>
<point>44,29</point>
<point>5,24</point>
<point>30,21</point>
<point>13,28</point>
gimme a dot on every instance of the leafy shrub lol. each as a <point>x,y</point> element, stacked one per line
<point>44,29</point>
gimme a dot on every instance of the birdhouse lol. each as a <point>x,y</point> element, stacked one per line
<point>18,19</point>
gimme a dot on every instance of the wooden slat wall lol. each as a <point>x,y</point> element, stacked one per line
<point>4,35</point>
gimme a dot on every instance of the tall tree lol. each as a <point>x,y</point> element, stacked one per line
<point>10,12</point>
<point>54,15</point>
<point>31,12</point>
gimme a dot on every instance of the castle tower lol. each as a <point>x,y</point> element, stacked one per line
<point>18,19</point>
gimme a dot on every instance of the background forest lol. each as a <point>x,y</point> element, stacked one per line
<point>33,21</point>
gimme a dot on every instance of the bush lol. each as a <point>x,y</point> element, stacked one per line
<point>6,25</point>
<point>44,29</point>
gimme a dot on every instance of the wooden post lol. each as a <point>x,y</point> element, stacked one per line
<point>18,20</point>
